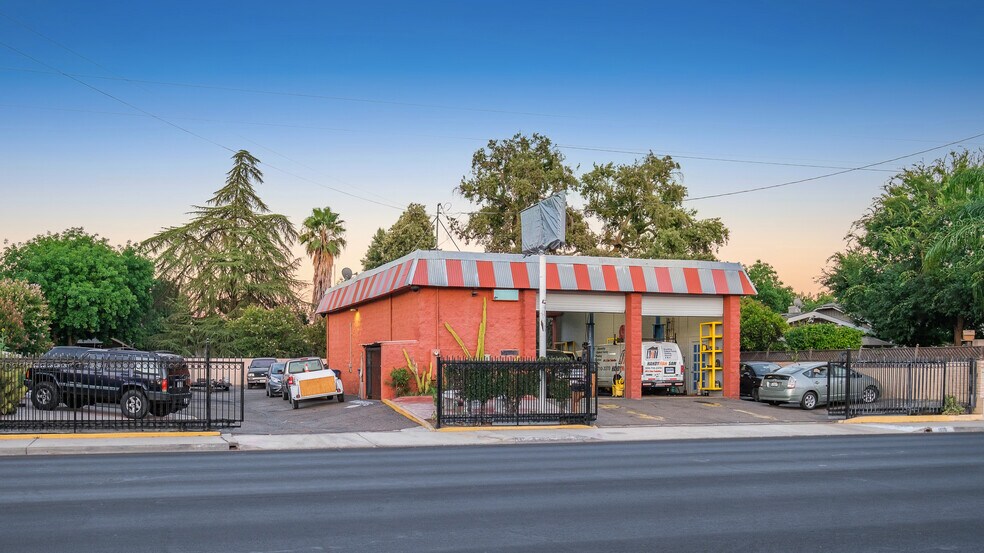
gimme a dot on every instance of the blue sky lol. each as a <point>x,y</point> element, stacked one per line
<point>388,101</point>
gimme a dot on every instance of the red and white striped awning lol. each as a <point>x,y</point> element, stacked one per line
<point>514,271</point>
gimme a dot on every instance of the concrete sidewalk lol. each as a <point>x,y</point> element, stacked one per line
<point>422,437</point>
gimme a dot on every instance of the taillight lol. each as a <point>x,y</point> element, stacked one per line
<point>164,385</point>
<point>791,383</point>
<point>290,380</point>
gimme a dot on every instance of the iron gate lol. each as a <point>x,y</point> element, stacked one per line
<point>916,387</point>
<point>515,392</point>
<point>120,391</point>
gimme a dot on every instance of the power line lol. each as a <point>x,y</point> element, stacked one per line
<point>308,95</point>
<point>185,130</point>
<point>818,177</point>
<point>465,138</point>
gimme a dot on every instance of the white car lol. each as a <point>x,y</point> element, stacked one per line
<point>308,378</point>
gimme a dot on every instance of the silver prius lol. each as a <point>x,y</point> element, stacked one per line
<point>807,384</point>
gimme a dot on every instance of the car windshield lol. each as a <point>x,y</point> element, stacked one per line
<point>795,368</point>
<point>262,363</point>
<point>277,368</point>
<point>303,366</point>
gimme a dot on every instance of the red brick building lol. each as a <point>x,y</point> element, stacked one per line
<point>406,304</point>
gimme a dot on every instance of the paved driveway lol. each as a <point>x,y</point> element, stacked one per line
<point>265,415</point>
<point>681,410</point>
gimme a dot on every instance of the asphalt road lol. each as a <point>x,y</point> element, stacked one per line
<point>887,493</point>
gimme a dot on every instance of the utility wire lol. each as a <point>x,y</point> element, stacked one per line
<point>185,130</point>
<point>827,175</point>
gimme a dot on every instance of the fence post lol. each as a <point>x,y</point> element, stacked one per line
<point>440,391</point>
<point>208,384</point>
<point>847,386</point>
<point>943,396</point>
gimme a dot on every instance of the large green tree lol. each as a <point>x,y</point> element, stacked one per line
<point>772,292</point>
<point>414,230</point>
<point>883,276</point>
<point>92,288</point>
<point>25,320</point>
<point>640,208</point>
<point>323,238</point>
<point>278,332</point>
<point>234,252</point>
<point>508,176</point>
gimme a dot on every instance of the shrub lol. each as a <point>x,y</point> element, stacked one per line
<point>951,407</point>
<point>25,321</point>
<point>822,336</point>
<point>12,387</point>
<point>400,381</point>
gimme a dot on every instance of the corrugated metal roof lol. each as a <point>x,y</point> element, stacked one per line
<point>488,270</point>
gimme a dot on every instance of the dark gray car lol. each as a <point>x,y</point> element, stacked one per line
<point>275,379</point>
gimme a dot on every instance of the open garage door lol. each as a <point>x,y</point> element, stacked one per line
<point>585,302</point>
<point>680,306</point>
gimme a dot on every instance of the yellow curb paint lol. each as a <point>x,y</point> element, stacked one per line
<point>896,419</point>
<point>408,414</point>
<point>105,435</point>
<point>756,415</point>
<point>552,427</point>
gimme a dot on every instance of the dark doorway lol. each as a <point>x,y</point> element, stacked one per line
<point>374,385</point>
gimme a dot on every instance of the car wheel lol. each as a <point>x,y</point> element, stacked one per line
<point>869,394</point>
<point>755,394</point>
<point>809,401</point>
<point>294,403</point>
<point>341,398</point>
<point>773,403</point>
<point>44,397</point>
<point>284,396</point>
<point>134,404</point>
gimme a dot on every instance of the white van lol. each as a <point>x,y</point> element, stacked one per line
<point>662,364</point>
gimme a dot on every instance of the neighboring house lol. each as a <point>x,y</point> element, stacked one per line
<point>834,314</point>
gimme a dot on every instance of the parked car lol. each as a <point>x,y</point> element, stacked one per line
<point>308,378</point>
<point>751,374</point>
<point>256,373</point>
<point>218,385</point>
<point>139,381</point>
<point>274,381</point>
<point>806,384</point>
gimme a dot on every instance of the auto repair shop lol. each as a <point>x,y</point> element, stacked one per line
<point>408,305</point>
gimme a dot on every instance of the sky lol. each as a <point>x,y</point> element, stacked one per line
<point>118,117</point>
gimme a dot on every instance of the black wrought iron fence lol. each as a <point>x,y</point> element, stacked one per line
<point>119,390</point>
<point>916,387</point>
<point>515,392</point>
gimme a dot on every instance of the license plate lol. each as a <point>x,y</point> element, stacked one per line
<point>179,384</point>
<point>773,384</point>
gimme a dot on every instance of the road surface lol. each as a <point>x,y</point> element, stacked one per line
<point>913,492</point>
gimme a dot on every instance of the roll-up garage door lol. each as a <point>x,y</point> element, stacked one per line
<point>682,306</point>
<point>582,302</point>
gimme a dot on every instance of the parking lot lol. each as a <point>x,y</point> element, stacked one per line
<point>653,410</point>
<point>264,415</point>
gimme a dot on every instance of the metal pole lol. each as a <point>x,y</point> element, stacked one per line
<point>208,384</point>
<point>542,304</point>
<point>440,391</point>
<point>847,387</point>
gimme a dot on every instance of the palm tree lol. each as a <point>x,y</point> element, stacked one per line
<point>323,238</point>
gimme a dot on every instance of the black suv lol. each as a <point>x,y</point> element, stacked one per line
<point>139,381</point>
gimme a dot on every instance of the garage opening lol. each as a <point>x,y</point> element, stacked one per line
<point>598,319</point>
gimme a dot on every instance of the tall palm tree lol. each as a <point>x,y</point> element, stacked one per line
<point>323,238</point>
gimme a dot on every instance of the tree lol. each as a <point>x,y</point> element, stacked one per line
<point>771,291</point>
<point>277,332</point>
<point>92,289</point>
<point>508,176</point>
<point>25,320</point>
<point>761,327</point>
<point>964,240</point>
<point>822,336</point>
<point>414,230</point>
<point>640,208</point>
<point>233,253</point>
<point>323,238</point>
<point>884,278</point>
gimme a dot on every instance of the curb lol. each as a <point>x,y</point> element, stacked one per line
<point>904,419</point>
<point>108,435</point>
<point>408,415</point>
<point>514,427</point>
